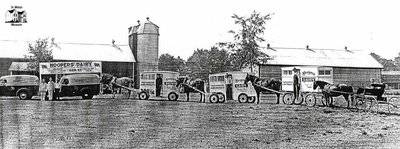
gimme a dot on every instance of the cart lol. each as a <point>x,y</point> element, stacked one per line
<point>167,83</point>
<point>230,86</point>
<point>308,75</point>
<point>373,97</point>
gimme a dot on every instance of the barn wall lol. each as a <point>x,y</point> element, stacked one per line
<point>359,77</point>
<point>120,69</point>
<point>393,81</point>
<point>268,72</point>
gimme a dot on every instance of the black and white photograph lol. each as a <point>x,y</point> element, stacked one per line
<point>199,74</point>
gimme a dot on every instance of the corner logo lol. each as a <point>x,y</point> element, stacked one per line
<point>16,16</point>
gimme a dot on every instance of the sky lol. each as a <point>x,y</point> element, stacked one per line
<point>187,25</point>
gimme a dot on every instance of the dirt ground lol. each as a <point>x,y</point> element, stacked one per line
<point>132,123</point>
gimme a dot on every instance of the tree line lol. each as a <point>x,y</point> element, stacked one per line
<point>242,52</point>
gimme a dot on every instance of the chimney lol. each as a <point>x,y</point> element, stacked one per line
<point>308,48</point>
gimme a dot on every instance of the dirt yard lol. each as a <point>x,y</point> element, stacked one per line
<point>128,123</point>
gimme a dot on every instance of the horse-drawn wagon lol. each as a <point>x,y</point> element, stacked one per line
<point>370,98</point>
<point>307,75</point>
<point>158,84</point>
<point>230,86</point>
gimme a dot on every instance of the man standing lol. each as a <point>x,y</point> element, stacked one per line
<point>50,88</point>
<point>158,85</point>
<point>296,83</point>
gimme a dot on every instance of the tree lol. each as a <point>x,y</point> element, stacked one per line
<point>246,48</point>
<point>40,52</point>
<point>168,62</point>
<point>387,64</point>
<point>204,62</point>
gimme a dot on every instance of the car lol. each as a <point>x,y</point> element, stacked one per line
<point>23,86</point>
<point>85,85</point>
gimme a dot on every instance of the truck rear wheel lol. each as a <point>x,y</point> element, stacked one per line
<point>87,94</point>
<point>24,94</point>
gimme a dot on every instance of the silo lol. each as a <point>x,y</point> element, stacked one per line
<point>143,41</point>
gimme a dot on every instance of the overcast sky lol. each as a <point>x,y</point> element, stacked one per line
<point>187,25</point>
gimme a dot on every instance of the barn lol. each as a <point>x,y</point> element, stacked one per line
<point>115,59</point>
<point>353,67</point>
<point>392,79</point>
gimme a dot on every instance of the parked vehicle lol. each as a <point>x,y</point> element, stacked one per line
<point>85,85</point>
<point>165,86</point>
<point>23,86</point>
<point>230,86</point>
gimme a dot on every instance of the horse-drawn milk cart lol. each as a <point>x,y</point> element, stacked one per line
<point>230,86</point>
<point>307,76</point>
<point>158,83</point>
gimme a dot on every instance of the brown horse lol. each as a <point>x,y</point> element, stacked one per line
<point>272,84</point>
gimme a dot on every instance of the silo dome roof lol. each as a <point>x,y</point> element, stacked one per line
<point>147,28</point>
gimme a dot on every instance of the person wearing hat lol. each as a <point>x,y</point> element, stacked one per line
<point>296,83</point>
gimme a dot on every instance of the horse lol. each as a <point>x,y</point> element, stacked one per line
<point>109,82</point>
<point>334,90</point>
<point>126,82</point>
<point>272,84</point>
<point>196,83</point>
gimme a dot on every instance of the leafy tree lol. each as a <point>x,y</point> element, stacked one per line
<point>168,62</point>
<point>41,51</point>
<point>204,62</point>
<point>388,64</point>
<point>246,48</point>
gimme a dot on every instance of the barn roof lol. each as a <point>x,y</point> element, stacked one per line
<point>320,57</point>
<point>72,51</point>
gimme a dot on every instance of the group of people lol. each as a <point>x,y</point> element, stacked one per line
<point>49,87</point>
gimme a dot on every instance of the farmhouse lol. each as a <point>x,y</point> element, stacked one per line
<point>352,67</point>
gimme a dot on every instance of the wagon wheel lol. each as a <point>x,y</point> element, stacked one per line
<point>299,100</point>
<point>394,105</point>
<point>311,100</point>
<point>251,99</point>
<point>213,98</point>
<point>143,96</point>
<point>372,104</point>
<point>242,98</point>
<point>288,98</point>
<point>221,98</point>
<point>360,103</point>
<point>173,96</point>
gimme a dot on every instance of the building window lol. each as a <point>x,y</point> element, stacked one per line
<point>324,72</point>
<point>287,72</point>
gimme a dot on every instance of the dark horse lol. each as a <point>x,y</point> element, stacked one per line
<point>272,84</point>
<point>334,90</point>
<point>183,83</point>
<point>109,81</point>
